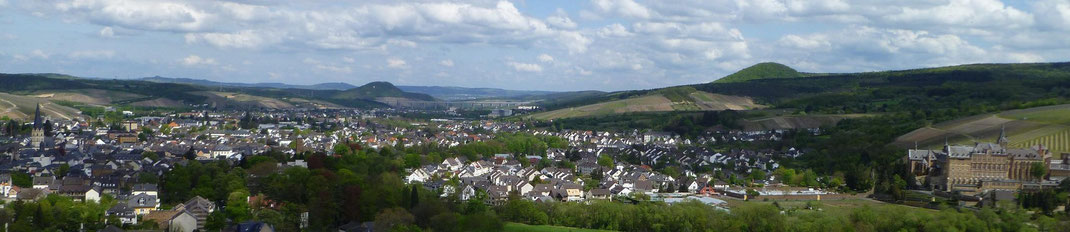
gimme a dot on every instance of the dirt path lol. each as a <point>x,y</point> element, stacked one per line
<point>10,109</point>
<point>54,112</point>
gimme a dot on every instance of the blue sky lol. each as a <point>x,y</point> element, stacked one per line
<point>532,45</point>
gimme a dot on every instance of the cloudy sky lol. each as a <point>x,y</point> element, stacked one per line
<point>518,44</point>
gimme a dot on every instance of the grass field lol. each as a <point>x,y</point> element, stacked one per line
<point>1059,114</point>
<point>836,208</point>
<point>517,227</point>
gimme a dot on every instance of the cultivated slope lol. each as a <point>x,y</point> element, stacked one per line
<point>1048,126</point>
<point>666,100</point>
<point>20,107</point>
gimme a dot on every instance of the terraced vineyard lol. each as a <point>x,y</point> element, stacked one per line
<point>1048,126</point>
<point>1057,141</point>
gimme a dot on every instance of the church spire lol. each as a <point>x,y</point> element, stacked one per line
<point>37,117</point>
<point>1002,141</point>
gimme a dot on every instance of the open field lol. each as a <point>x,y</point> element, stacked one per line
<point>697,101</point>
<point>159,102</point>
<point>88,96</point>
<point>1058,114</point>
<point>796,121</point>
<point>517,227</point>
<point>1048,125</point>
<point>229,98</point>
<point>22,107</point>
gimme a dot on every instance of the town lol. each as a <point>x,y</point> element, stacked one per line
<point>125,156</point>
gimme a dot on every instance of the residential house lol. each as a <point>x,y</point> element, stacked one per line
<point>143,203</point>
<point>173,220</point>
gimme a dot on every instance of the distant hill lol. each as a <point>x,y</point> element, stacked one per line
<point>668,99</point>
<point>462,93</point>
<point>202,82</point>
<point>765,70</point>
<point>167,93</point>
<point>866,92</point>
<point>380,89</point>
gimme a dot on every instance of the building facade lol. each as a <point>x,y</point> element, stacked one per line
<point>974,170</point>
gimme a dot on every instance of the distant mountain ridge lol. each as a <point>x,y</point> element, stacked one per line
<point>463,93</point>
<point>440,92</point>
<point>320,86</point>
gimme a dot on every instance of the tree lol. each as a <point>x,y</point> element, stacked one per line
<point>393,218</point>
<point>605,161</point>
<point>21,179</point>
<point>48,128</point>
<point>414,197</point>
<point>238,206</point>
<point>757,174</point>
<point>63,170</point>
<point>1038,170</point>
<point>150,155</point>
<point>190,154</point>
<point>216,221</point>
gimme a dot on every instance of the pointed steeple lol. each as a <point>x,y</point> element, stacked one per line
<point>1002,141</point>
<point>37,117</point>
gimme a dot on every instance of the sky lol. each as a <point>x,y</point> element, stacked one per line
<point>557,45</point>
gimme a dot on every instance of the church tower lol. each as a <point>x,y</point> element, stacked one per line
<point>37,136</point>
<point>1003,141</point>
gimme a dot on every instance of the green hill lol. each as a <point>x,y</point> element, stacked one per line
<point>940,91</point>
<point>379,89</point>
<point>765,70</point>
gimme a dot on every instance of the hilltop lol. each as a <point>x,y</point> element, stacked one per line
<point>765,70</point>
<point>379,89</point>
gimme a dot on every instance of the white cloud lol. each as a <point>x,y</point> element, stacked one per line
<point>525,67</point>
<point>964,13</point>
<point>810,42</point>
<point>614,30</point>
<point>145,15</point>
<point>39,54</point>
<point>546,58</point>
<point>560,19</point>
<point>349,60</point>
<point>354,27</point>
<point>396,63</point>
<point>447,63</point>
<point>240,39</point>
<point>1053,14</point>
<point>625,8</point>
<point>193,60</point>
<point>107,32</point>
<point>334,68</point>
<point>92,54</point>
